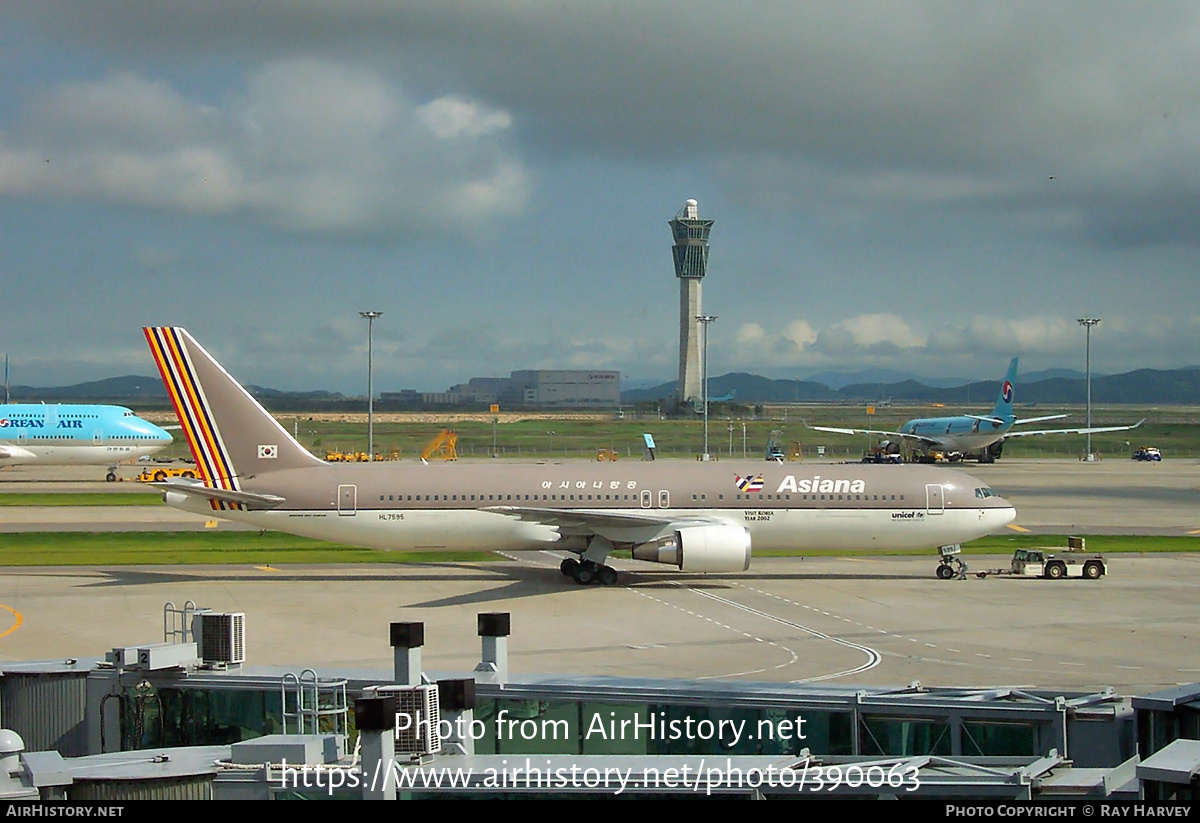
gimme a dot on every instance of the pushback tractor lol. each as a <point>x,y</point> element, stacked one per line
<point>1054,565</point>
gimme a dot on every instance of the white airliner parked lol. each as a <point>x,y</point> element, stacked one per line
<point>698,517</point>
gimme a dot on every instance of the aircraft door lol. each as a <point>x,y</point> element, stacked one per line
<point>664,499</point>
<point>935,499</point>
<point>647,499</point>
<point>97,437</point>
<point>348,500</point>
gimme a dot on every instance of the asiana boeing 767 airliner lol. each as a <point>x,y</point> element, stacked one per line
<point>697,517</point>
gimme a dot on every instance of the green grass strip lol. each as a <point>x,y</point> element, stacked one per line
<point>272,548</point>
<point>197,548</point>
<point>81,499</point>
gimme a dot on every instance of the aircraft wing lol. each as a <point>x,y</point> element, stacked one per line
<point>1083,430</point>
<point>915,438</point>
<point>625,526</point>
<point>250,500</point>
<point>1040,419</point>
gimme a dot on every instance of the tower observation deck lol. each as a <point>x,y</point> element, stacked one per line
<point>691,263</point>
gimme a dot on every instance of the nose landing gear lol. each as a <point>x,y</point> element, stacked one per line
<point>951,565</point>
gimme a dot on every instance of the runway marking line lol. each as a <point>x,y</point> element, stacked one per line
<point>17,624</point>
<point>266,568</point>
<point>1018,528</point>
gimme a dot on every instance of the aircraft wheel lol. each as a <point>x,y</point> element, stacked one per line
<point>584,574</point>
<point>111,477</point>
<point>945,572</point>
<point>568,566</point>
<point>608,576</point>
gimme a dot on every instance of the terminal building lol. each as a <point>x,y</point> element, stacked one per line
<point>189,719</point>
<point>527,388</point>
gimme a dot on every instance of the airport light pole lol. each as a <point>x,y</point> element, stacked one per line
<point>704,320</point>
<point>1087,323</point>
<point>370,316</point>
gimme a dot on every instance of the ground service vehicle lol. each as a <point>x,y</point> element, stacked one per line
<point>1074,562</point>
<point>1148,453</point>
<point>157,474</point>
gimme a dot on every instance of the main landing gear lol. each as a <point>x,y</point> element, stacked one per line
<point>585,572</point>
<point>590,568</point>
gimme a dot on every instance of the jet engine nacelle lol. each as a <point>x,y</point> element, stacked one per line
<point>701,549</point>
<point>889,446</point>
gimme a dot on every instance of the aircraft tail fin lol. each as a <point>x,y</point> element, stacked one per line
<point>230,434</point>
<point>1003,409</point>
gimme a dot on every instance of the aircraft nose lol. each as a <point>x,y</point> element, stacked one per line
<point>1003,514</point>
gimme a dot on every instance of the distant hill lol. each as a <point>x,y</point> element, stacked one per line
<point>1051,374</point>
<point>128,387</point>
<point>1175,386</point>
<point>142,391</point>
<point>262,392</point>
<point>839,380</point>
<point>749,388</point>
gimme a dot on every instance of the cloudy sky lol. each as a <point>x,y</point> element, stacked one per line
<point>933,187</point>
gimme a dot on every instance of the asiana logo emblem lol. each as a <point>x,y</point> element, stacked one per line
<point>749,484</point>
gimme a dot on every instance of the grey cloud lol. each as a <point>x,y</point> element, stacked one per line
<point>936,101</point>
<point>308,145</point>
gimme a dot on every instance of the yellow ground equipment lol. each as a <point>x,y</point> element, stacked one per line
<point>603,455</point>
<point>157,474</point>
<point>442,446</point>
<point>347,457</point>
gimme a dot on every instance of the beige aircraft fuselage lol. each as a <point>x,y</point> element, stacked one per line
<point>498,506</point>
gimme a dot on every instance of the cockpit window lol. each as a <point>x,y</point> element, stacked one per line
<point>984,492</point>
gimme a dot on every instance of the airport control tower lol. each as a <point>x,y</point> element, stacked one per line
<point>691,261</point>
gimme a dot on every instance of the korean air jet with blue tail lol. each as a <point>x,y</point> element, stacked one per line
<point>970,435</point>
<point>56,434</point>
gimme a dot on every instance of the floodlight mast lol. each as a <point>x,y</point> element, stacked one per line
<point>704,320</point>
<point>370,316</point>
<point>1087,323</point>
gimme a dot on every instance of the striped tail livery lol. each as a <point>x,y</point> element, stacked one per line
<point>231,436</point>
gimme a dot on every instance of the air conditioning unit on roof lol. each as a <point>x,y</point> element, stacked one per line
<point>220,636</point>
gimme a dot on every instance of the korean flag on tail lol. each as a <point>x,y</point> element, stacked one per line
<point>268,452</point>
